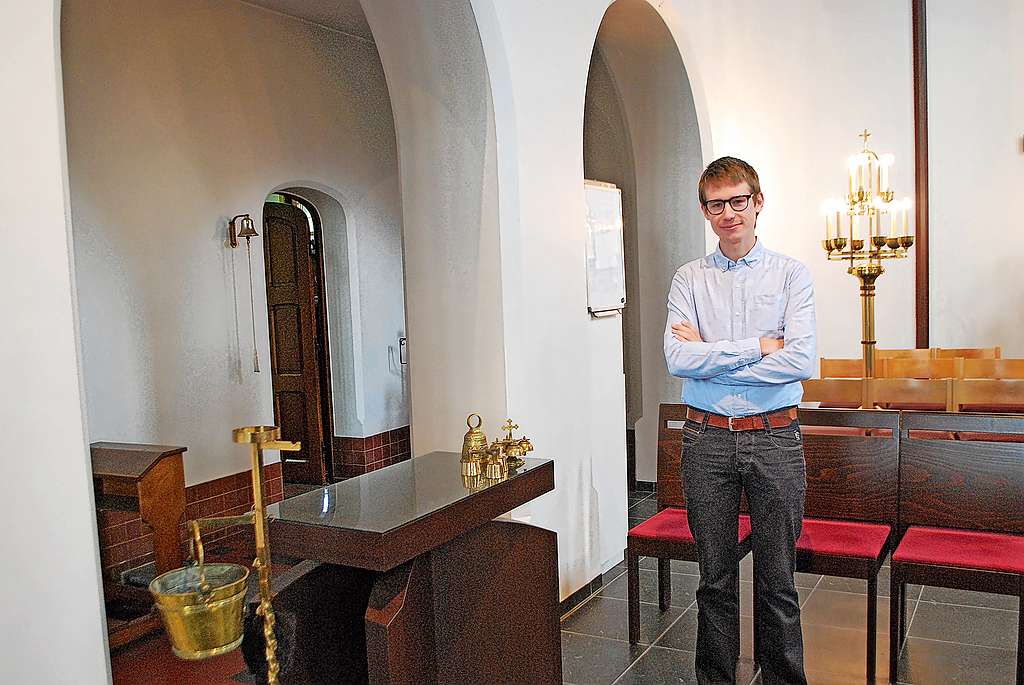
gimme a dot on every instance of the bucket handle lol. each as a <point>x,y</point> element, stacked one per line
<point>196,550</point>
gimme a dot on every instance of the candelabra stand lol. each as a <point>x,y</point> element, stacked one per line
<point>856,233</point>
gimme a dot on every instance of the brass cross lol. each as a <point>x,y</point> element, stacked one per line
<point>865,136</point>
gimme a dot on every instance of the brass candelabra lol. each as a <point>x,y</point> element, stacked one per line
<point>865,228</point>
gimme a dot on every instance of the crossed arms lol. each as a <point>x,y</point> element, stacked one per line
<point>751,361</point>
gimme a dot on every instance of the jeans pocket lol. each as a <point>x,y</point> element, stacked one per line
<point>692,433</point>
<point>787,439</point>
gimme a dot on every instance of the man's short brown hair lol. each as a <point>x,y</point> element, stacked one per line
<point>728,170</point>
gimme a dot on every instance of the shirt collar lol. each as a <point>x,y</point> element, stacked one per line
<point>751,258</point>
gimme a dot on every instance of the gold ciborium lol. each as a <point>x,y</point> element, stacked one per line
<point>202,606</point>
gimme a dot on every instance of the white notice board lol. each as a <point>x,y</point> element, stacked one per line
<point>606,274</point>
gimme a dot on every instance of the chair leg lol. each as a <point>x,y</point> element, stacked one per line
<point>896,602</point>
<point>633,595</point>
<point>872,626</point>
<point>903,612</point>
<point>664,583</point>
<point>1020,634</point>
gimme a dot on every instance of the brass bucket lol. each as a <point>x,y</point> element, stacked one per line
<point>202,624</point>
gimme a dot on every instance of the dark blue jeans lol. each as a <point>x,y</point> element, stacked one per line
<point>768,465</point>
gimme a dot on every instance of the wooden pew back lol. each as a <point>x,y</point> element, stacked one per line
<point>971,484</point>
<point>852,460</point>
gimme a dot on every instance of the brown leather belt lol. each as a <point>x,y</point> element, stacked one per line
<point>776,419</point>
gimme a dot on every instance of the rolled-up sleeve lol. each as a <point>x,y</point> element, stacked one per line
<point>795,361</point>
<point>699,359</point>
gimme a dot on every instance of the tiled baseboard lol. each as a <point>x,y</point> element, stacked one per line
<point>356,456</point>
<point>646,486</point>
<point>580,596</point>
<point>126,542</point>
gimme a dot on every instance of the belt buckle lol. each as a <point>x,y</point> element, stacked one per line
<point>731,429</point>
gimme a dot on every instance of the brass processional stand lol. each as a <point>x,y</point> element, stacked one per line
<point>864,229</point>
<point>203,605</point>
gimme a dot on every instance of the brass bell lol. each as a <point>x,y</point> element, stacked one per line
<point>474,447</point>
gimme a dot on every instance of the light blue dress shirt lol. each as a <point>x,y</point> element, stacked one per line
<point>733,305</point>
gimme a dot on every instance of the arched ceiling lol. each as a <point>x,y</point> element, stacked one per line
<point>341,15</point>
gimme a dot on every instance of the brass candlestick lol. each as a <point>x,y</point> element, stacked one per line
<point>855,232</point>
<point>202,605</point>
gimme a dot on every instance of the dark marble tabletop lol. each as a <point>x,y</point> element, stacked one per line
<point>392,497</point>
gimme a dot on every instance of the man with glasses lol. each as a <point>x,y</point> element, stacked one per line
<point>741,332</point>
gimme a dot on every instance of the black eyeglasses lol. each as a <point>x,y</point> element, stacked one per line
<point>738,204</point>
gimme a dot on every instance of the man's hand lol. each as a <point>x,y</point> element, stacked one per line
<point>684,332</point>
<point>769,345</point>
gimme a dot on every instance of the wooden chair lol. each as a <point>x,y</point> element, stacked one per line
<point>666,535</point>
<point>834,392</point>
<point>907,367</point>
<point>850,509</point>
<point>968,352</point>
<point>994,368</point>
<point>841,368</point>
<point>921,353</point>
<point>988,395</point>
<point>909,393</point>
<point>969,538</point>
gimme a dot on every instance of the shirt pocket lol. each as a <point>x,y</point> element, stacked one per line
<point>767,312</point>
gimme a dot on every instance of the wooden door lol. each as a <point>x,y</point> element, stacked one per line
<point>293,345</point>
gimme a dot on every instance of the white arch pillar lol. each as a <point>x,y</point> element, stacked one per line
<point>52,619</point>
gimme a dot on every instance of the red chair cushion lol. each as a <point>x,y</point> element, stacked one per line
<point>843,538</point>
<point>962,548</point>
<point>673,525</point>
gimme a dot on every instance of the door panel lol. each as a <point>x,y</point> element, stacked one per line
<point>294,366</point>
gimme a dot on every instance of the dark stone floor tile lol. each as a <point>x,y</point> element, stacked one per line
<point>806,580</point>
<point>827,678</point>
<point>613,573</point>
<point>688,567</point>
<point>855,584</point>
<point>635,521</point>
<point>589,660</point>
<point>644,509</point>
<point>969,598</point>
<point>683,588</point>
<point>683,634</point>
<point>845,610</point>
<point>660,665</point>
<point>604,617</point>
<point>928,662</point>
<point>966,625</point>
<point>839,654</point>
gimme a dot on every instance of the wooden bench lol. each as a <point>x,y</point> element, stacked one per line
<point>149,479</point>
<point>960,508</point>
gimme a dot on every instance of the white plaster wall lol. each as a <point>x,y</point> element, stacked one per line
<point>565,382</point>
<point>454,278</point>
<point>52,619</point>
<point>608,157</point>
<point>187,130</point>
<point>787,88</point>
<point>647,66</point>
<point>976,170</point>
